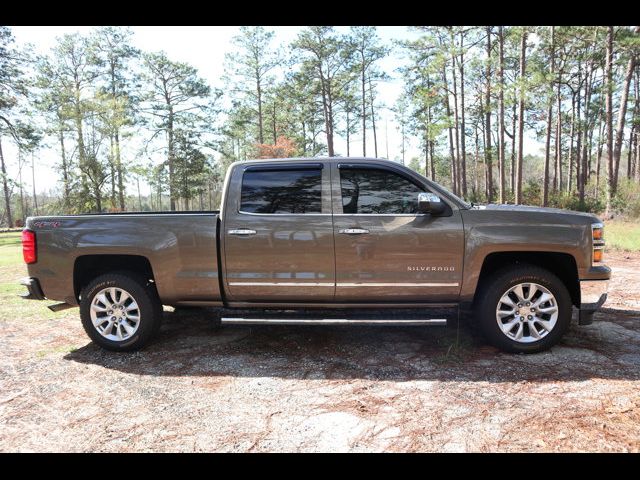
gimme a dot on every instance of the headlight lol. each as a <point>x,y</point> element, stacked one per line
<point>597,240</point>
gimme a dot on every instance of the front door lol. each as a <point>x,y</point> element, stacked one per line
<point>278,236</point>
<point>385,250</point>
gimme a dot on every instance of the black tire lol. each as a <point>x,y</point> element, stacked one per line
<point>495,286</point>
<point>145,295</point>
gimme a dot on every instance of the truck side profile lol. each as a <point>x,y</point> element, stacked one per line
<point>325,240</point>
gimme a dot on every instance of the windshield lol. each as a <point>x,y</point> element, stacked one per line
<point>448,192</point>
<point>460,199</point>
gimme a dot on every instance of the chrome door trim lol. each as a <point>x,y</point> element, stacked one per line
<point>341,284</point>
<point>282,284</point>
<point>374,284</point>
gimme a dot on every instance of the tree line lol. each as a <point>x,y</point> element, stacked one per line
<point>117,116</point>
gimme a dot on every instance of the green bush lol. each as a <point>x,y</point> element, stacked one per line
<point>627,199</point>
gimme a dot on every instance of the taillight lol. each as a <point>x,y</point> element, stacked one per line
<point>597,240</point>
<point>29,252</point>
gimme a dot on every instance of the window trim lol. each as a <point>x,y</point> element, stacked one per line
<point>369,166</point>
<point>279,168</point>
<point>282,167</point>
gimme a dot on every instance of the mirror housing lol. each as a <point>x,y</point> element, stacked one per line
<point>430,203</point>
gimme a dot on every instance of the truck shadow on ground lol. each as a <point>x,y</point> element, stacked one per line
<point>189,345</point>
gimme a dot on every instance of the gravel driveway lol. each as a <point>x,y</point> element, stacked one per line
<point>334,388</point>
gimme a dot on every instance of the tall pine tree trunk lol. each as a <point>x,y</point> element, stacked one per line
<point>457,183</point>
<point>463,136</point>
<point>547,147</point>
<point>609,115</point>
<point>171,161</point>
<point>557,176</point>
<point>579,140</point>
<point>66,187</point>
<point>260,116</point>
<point>33,184</point>
<point>373,121</point>
<point>451,143</point>
<point>586,141</point>
<point>328,121</point>
<point>571,135</point>
<point>119,171</point>
<point>523,66</point>
<point>5,185</point>
<point>348,133</point>
<point>112,168</point>
<point>501,127</point>
<point>513,149</point>
<point>82,162</point>
<point>622,111</point>
<point>475,166</point>
<point>433,167</point>
<point>364,109</point>
<point>20,165</point>
<point>488,160</point>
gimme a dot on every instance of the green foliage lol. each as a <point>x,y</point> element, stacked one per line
<point>117,116</point>
<point>627,199</point>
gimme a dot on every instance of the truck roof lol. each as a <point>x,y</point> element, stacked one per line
<point>317,159</point>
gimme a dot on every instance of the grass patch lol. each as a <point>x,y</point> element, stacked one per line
<point>10,249</point>
<point>10,238</point>
<point>622,235</point>
<point>12,269</point>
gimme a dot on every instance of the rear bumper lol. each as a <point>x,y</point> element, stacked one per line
<point>593,293</point>
<point>33,287</point>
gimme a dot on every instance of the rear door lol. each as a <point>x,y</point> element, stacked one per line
<point>278,233</point>
<point>385,250</point>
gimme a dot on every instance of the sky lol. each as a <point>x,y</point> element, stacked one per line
<point>204,48</point>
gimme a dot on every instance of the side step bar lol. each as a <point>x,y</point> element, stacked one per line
<point>330,321</point>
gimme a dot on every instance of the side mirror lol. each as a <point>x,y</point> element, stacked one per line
<point>430,203</point>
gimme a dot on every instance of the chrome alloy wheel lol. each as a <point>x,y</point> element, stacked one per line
<point>527,312</point>
<point>115,314</point>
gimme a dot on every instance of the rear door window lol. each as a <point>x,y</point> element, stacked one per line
<point>282,191</point>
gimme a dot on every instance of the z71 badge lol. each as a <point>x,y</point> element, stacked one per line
<point>44,224</point>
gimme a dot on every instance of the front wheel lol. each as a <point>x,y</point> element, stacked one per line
<point>524,309</point>
<point>120,311</point>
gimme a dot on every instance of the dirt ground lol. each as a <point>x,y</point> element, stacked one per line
<point>322,388</point>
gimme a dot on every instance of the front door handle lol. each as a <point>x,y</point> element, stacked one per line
<point>242,231</point>
<point>353,231</point>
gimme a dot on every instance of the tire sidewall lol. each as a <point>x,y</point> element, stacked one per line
<point>149,317</point>
<point>503,281</point>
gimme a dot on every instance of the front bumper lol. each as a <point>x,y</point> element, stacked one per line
<point>593,293</point>
<point>34,288</point>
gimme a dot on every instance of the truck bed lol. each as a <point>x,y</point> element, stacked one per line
<point>179,247</point>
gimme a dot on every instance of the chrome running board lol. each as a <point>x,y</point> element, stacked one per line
<point>330,321</point>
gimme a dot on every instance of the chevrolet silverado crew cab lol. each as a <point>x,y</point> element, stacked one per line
<point>325,241</point>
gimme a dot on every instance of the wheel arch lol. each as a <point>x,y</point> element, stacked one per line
<point>88,267</point>
<point>563,265</point>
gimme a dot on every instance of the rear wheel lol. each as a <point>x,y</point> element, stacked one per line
<point>120,311</point>
<point>524,309</point>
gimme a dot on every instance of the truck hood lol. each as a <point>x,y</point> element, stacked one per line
<point>525,212</point>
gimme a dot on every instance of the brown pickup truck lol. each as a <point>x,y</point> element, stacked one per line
<point>325,241</point>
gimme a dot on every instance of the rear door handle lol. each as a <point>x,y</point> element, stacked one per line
<point>242,231</point>
<point>353,231</point>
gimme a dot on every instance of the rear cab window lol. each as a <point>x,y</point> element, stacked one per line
<point>281,191</point>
